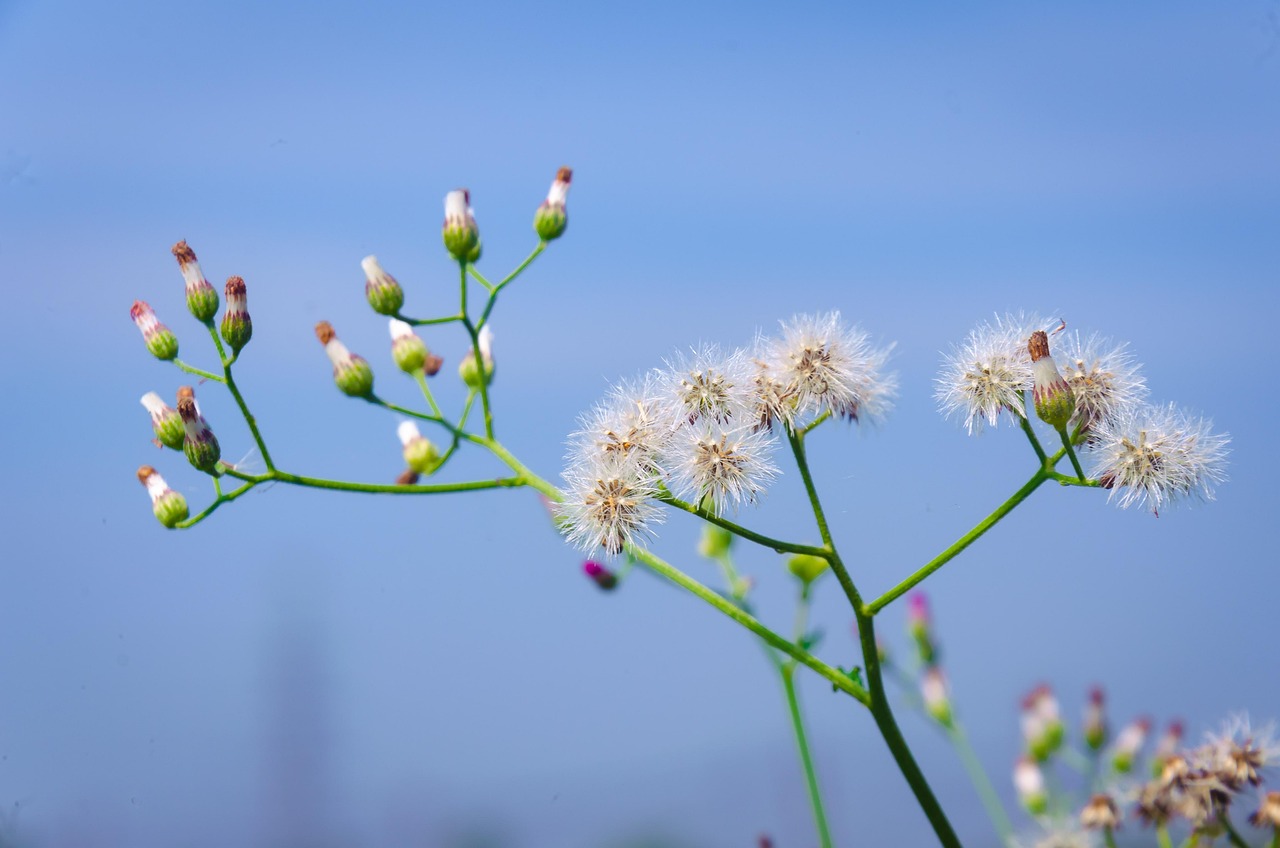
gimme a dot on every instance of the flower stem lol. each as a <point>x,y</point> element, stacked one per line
<point>1233,835</point>
<point>474,332</point>
<point>505,281</point>
<point>1071,452</point>
<point>239,398</point>
<point>1025,423</point>
<point>422,322</point>
<point>750,535</point>
<point>199,372</point>
<point>1109,837</point>
<point>960,544</point>
<point>981,782</point>
<point>421,378</point>
<point>1162,836</point>
<point>787,671</point>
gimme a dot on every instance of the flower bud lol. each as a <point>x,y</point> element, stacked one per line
<point>1042,727</point>
<point>1055,402</point>
<point>1095,720</point>
<point>1128,744</point>
<point>550,220</point>
<point>419,453</point>
<point>351,372</point>
<point>1166,747</point>
<point>202,298</point>
<point>601,576</point>
<point>933,688</point>
<point>715,541</point>
<point>807,568</point>
<point>159,339</point>
<point>461,235</point>
<point>166,423</point>
<point>1028,780</point>
<point>169,506</point>
<point>1101,813</point>
<point>200,446</point>
<point>469,371</point>
<point>920,627</point>
<point>237,328</point>
<point>409,351</point>
<point>380,288</point>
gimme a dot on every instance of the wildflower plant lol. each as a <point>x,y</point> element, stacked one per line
<point>707,433</point>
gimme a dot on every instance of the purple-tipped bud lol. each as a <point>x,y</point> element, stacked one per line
<point>1042,727</point>
<point>469,369</point>
<point>1095,720</point>
<point>202,298</point>
<point>601,576</point>
<point>461,235</point>
<point>550,220</point>
<point>1028,780</point>
<point>1129,744</point>
<point>1055,402</point>
<point>408,351</point>
<point>937,702</point>
<point>380,288</point>
<point>419,453</point>
<point>200,446</point>
<point>169,506</point>
<point>159,339</point>
<point>166,423</point>
<point>920,627</point>
<point>237,328</point>
<point>351,373</point>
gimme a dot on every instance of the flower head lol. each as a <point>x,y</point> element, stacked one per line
<point>160,340</point>
<point>725,465</point>
<point>202,299</point>
<point>1095,719</point>
<point>608,504</point>
<point>1042,727</point>
<point>199,444</point>
<point>1238,752</point>
<point>460,233</point>
<point>351,372</point>
<point>1155,455</point>
<point>169,506</point>
<point>827,366</point>
<point>380,288</point>
<point>550,220</point>
<point>1101,813</point>
<point>989,372</point>
<point>1028,781</point>
<point>1103,376</point>
<point>1129,744</point>
<point>166,423</point>
<point>627,424</point>
<point>237,327</point>
<point>706,385</point>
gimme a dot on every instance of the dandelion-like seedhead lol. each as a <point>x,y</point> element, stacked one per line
<point>728,466</point>
<point>1239,752</point>
<point>988,373</point>
<point>628,424</point>
<point>1104,377</point>
<point>1156,455</point>
<point>610,504</point>
<point>822,365</point>
<point>706,384</point>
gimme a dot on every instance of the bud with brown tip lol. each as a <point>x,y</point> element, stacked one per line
<point>202,299</point>
<point>1054,401</point>
<point>200,445</point>
<point>159,339</point>
<point>551,219</point>
<point>169,506</point>
<point>351,373</point>
<point>237,328</point>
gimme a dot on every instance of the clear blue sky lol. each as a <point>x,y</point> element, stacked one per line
<point>438,671</point>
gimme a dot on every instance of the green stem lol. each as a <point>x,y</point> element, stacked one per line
<point>838,678</point>
<point>813,425</point>
<point>474,332</point>
<point>1109,837</point>
<point>1071,452</point>
<point>523,472</point>
<point>750,535</point>
<point>1275,838</point>
<point>1162,836</point>
<point>1072,481</point>
<point>218,501</point>
<point>240,402</point>
<point>1233,835</point>
<point>279,476</point>
<point>422,322</point>
<point>981,782</point>
<point>810,776</point>
<point>505,281</point>
<point>960,544</point>
<point>199,372</point>
<point>471,269</point>
<point>1025,422</point>
<point>421,378</point>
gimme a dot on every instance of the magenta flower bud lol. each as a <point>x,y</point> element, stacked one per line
<point>461,235</point>
<point>166,423</point>
<point>202,299</point>
<point>351,372</point>
<point>1095,720</point>
<point>380,288</point>
<point>200,445</point>
<point>603,577</point>
<point>169,506</point>
<point>550,220</point>
<point>159,339</point>
<point>237,328</point>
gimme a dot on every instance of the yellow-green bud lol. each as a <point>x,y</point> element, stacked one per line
<point>200,445</point>
<point>166,423</point>
<point>408,351</point>
<point>237,328</point>
<point>807,568</point>
<point>550,220</point>
<point>380,288</point>
<point>715,541</point>
<point>159,339</point>
<point>1055,402</point>
<point>202,299</point>
<point>420,454</point>
<point>460,233</point>
<point>168,506</point>
<point>351,373</point>
<point>469,370</point>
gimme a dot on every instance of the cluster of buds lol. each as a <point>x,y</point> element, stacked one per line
<point>472,372</point>
<point>166,423</point>
<point>551,219</point>
<point>202,298</point>
<point>199,443</point>
<point>1042,729</point>
<point>351,372</point>
<point>237,328</point>
<point>461,234</point>
<point>420,453</point>
<point>169,506</point>
<point>380,288</point>
<point>160,340</point>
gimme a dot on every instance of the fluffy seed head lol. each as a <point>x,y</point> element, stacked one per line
<point>706,385</point>
<point>1103,376</point>
<point>988,373</point>
<point>627,424</point>
<point>729,466</point>
<point>611,508</point>
<point>830,366</point>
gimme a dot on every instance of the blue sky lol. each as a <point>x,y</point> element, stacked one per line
<point>918,167</point>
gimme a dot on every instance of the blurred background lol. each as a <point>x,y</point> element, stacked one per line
<point>310,669</point>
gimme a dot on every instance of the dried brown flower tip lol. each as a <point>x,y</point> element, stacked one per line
<point>325,333</point>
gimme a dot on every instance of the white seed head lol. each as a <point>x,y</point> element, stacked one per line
<point>626,424</point>
<point>611,508</point>
<point>706,384</point>
<point>730,465</point>
<point>831,367</point>
<point>988,372</point>
<point>1157,455</point>
<point>1104,377</point>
